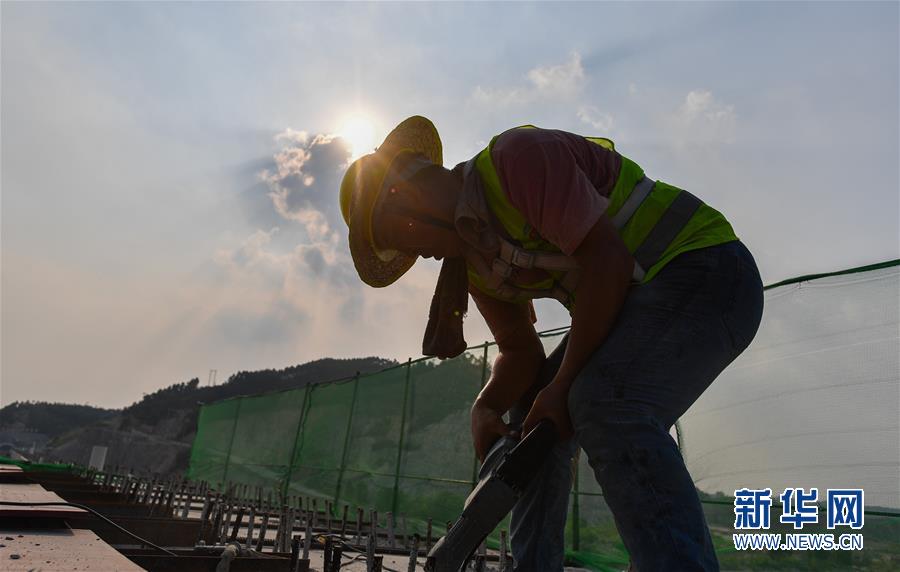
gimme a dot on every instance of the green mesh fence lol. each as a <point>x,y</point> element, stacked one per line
<point>398,440</point>
<point>212,445</point>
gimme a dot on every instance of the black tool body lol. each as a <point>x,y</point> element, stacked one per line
<point>507,469</point>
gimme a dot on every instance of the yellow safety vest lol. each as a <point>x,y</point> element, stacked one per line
<point>655,220</point>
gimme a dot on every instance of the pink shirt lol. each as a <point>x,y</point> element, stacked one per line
<point>558,180</point>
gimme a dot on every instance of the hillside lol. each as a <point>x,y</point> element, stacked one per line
<point>155,433</point>
<point>50,419</point>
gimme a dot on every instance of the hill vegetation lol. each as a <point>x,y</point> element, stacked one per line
<point>161,425</point>
<point>51,419</point>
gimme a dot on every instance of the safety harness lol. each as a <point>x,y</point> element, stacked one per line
<point>509,254</point>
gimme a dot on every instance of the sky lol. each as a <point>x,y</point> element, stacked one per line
<point>170,171</point>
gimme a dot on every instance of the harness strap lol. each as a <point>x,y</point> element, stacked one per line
<point>518,256</point>
<point>511,256</point>
<point>648,253</point>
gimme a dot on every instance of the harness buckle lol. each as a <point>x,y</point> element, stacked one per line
<point>522,258</point>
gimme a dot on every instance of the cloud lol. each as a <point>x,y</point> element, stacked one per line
<point>306,252</point>
<point>595,118</point>
<point>501,97</point>
<point>250,253</point>
<point>304,178</point>
<point>258,254</point>
<point>703,119</point>
<point>314,260</point>
<point>291,281</point>
<point>275,291</point>
<point>289,134</point>
<point>560,81</point>
<point>565,78</point>
<point>702,104</point>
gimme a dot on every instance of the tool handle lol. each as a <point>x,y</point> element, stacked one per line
<point>524,460</point>
<point>496,454</point>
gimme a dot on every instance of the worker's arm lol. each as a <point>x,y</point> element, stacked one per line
<point>515,369</point>
<point>606,269</point>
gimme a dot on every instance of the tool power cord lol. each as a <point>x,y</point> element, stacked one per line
<point>95,513</point>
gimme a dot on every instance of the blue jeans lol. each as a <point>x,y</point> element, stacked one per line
<point>673,336</point>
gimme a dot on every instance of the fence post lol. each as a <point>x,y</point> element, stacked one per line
<point>337,490</point>
<point>300,422</point>
<point>400,441</point>
<point>237,414</point>
<point>483,380</point>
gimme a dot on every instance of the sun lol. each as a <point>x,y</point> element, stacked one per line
<point>359,133</point>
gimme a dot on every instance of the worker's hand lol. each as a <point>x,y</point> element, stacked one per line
<point>551,403</point>
<point>487,427</point>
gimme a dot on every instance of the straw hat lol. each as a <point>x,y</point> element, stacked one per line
<point>361,187</point>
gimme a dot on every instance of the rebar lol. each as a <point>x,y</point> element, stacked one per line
<point>413,554</point>
<point>392,539</point>
<point>503,549</point>
<point>295,553</point>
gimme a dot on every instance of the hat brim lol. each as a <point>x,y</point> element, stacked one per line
<point>377,267</point>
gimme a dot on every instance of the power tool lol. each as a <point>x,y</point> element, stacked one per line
<point>507,469</point>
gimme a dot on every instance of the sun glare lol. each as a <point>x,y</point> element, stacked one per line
<point>360,134</point>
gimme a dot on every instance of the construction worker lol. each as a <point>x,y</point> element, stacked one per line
<point>662,295</point>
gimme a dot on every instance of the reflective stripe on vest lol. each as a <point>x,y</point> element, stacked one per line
<point>667,228</point>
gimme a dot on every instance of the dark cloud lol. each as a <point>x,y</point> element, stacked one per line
<point>301,236</point>
<point>314,260</point>
<point>256,204</point>
<point>304,180</point>
<point>340,275</point>
<point>298,182</point>
<point>326,157</point>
